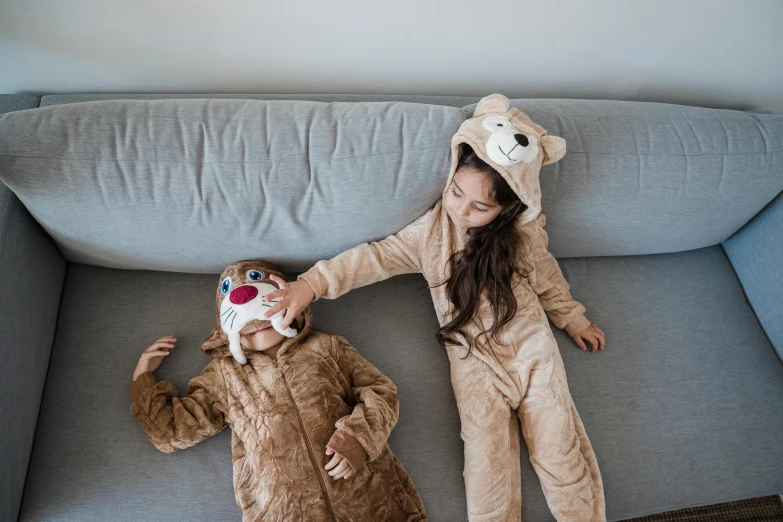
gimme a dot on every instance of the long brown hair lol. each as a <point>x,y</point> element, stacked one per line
<point>493,256</point>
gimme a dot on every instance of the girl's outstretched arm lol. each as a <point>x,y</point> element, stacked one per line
<point>360,266</point>
<point>368,263</point>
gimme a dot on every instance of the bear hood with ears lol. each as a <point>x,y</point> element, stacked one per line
<point>240,307</point>
<point>511,143</point>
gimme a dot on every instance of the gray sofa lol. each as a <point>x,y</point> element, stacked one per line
<point>120,210</point>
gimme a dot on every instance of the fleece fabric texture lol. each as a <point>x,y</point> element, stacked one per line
<point>521,377</point>
<point>284,412</point>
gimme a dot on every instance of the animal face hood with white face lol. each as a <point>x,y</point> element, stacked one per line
<point>241,304</point>
<point>511,143</point>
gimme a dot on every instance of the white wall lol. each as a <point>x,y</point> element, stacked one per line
<point>710,53</point>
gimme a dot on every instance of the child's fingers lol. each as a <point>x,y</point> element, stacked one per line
<point>349,475</point>
<point>290,315</point>
<point>159,353</point>
<point>274,294</point>
<point>343,474</point>
<point>593,339</point>
<point>159,345</point>
<point>280,282</point>
<point>334,462</point>
<point>280,305</point>
<point>282,289</point>
<point>579,342</point>
<point>602,338</point>
<point>340,470</point>
<point>329,451</point>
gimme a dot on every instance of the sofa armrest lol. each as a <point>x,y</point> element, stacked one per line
<point>32,273</point>
<point>756,253</point>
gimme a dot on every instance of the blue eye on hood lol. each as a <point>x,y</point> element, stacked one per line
<point>255,275</point>
<point>225,286</point>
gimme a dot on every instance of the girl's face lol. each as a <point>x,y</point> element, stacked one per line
<point>467,200</point>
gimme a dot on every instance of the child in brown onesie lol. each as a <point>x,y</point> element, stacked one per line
<point>310,417</point>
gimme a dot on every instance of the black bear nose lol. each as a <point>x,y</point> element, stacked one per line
<point>521,139</point>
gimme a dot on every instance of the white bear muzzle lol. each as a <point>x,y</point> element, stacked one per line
<point>507,146</point>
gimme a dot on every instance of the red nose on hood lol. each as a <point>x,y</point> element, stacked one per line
<point>243,294</point>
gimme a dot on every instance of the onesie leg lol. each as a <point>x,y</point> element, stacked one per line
<point>560,451</point>
<point>490,433</point>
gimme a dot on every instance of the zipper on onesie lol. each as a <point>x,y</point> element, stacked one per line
<point>308,444</point>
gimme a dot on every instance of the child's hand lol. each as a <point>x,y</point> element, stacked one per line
<point>295,298</point>
<point>339,466</point>
<point>592,334</point>
<point>152,357</point>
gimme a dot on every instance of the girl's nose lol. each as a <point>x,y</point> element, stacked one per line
<point>464,210</point>
<point>243,294</point>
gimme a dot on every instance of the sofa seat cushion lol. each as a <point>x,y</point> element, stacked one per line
<point>682,407</point>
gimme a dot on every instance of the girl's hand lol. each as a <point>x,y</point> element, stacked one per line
<point>592,334</point>
<point>152,357</point>
<point>339,466</point>
<point>296,296</point>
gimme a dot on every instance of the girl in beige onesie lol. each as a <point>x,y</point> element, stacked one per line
<point>483,250</point>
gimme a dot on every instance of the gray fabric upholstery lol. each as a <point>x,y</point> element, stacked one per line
<point>642,178</point>
<point>682,407</point>
<point>638,177</point>
<point>201,174</point>
<point>17,102</point>
<point>756,253</point>
<point>452,101</point>
<point>31,278</point>
<point>192,185</point>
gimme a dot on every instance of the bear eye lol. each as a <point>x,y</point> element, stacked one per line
<point>500,124</point>
<point>225,285</point>
<point>254,275</point>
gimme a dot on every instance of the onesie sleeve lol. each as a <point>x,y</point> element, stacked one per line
<point>376,408</point>
<point>173,423</point>
<point>369,262</point>
<point>547,280</point>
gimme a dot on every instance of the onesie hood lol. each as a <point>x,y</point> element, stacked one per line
<point>241,304</point>
<point>512,144</point>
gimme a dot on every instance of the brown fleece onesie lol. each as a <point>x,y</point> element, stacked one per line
<point>284,413</point>
<point>524,376</point>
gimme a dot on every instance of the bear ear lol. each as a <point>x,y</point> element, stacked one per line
<point>492,104</point>
<point>554,148</point>
<point>517,115</point>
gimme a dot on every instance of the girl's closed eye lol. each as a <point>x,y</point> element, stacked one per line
<point>455,193</point>
<point>482,210</point>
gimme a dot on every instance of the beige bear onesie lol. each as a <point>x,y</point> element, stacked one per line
<point>522,377</point>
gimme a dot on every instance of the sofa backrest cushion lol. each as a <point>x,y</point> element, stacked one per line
<point>193,185</point>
